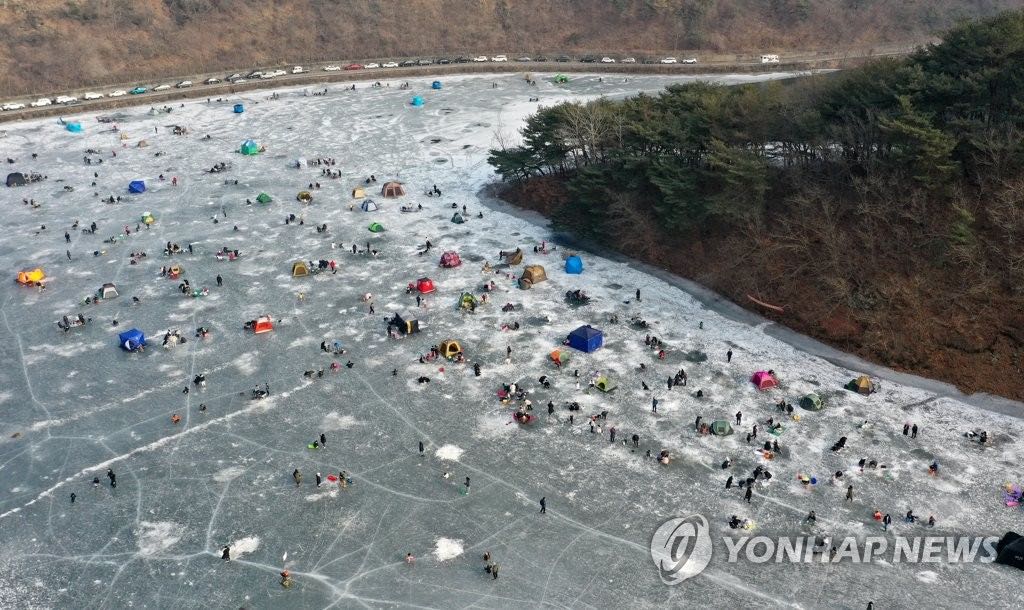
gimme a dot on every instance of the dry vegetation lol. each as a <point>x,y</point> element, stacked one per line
<point>59,44</point>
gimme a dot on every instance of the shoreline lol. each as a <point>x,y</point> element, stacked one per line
<point>719,304</point>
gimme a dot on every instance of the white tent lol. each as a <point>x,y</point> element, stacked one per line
<point>368,206</point>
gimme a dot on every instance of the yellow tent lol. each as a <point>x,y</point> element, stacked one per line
<point>450,348</point>
<point>300,269</point>
<point>532,274</point>
<point>358,192</point>
<point>31,277</point>
<point>305,197</point>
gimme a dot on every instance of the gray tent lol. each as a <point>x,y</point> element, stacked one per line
<point>16,179</point>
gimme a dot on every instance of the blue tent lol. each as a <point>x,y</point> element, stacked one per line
<point>574,264</point>
<point>586,339</point>
<point>131,340</point>
<point>74,127</point>
<point>239,108</point>
<point>416,101</point>
<point>136,186</point>
<point>436,85</point>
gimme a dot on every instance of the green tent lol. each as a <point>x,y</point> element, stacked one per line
<point>561,79</point>
<point>604,384</point>
<point>467,301</point>
<point>376,227</point>
<point>458,219</point>
<point>263,198</point>
<point>249,147</point>
<point>812,402</point>
<point>720,427</point>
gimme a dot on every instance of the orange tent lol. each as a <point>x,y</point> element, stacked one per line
<point>263,325</point>
<point>32,276</point>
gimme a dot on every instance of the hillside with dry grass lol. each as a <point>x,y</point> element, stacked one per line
<point>50,45</point>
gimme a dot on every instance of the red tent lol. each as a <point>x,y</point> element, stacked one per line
<point>450,259</point>
<point>263,325</point>
<point>764,380</point>
<point>425,285</point>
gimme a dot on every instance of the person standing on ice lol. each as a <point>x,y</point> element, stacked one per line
<point>112,477</point>
<point>849,493</point>
<point>543,506</point>
<point>638,295</point>
<point>226,553</point>
<point>318,479</point>
<point>739,417</point>
<point>728,356</point>
<point>749,494</point>
<point>728,482</point>
<point>421,447</point>
<point>654,404</point>
<point>297,476</point>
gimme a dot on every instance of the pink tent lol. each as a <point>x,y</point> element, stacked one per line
<point>450,259</point>
<point>764,380</point>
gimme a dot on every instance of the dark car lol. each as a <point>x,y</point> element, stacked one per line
<point>462,60</point>
<point>563,59</point>
<point>444,61</point>
<point>589,59</point>
<point>407,63</point>
<point>541,58</point>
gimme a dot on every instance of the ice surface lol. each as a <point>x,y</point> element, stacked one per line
<point>74,405</point>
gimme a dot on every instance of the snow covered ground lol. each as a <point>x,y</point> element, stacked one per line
<point>74,404</point>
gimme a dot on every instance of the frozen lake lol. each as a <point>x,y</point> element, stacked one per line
<point>74,404</point>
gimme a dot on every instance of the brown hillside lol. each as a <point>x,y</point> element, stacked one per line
<point>59,44</point>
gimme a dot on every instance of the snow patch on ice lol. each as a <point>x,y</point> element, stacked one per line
<point>223,476</point>
<point>449,452</point>
<point>336,421</point>
<point>153,537</point>
<point>245,546</point>
<point>447,548</point>
<point>927,576</point>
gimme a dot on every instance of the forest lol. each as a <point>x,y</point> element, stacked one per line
<point>881,208</point>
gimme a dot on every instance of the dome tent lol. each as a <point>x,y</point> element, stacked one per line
<point>369,205</point>
<point>30,277</point>
<point>532,274</point>
<point>720,427</point>
<point>16,179</point>
<point>75,127</point>
<point>561,79</point>
<point>764,380</point>
<point>586,339</point>
<point>391,190</point>
<point>107,291</point>
<point>436,85</point>
<point>405,323</point>
<point>416,102</point>
<point>861,385</point>
<point>358,192</point>
<point>467,301</point>
<point>263,198</point>
<point>425,285</point>
<point>450,348</point>
<point>457,218</point>
<point>148,218</point>
<point>574,264</point>
<point>137,186</point>
<point>299,269</point>
<point>304,197</point>
<point>249,147</point>
<point>376,227</point>
<point>450,259</point>
<point>262,324</point>
<point>811,402</point>
<point>131,340</point>
<point>604,384</point>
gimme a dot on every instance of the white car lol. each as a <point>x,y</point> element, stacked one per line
<point>669,60</point>
<point>297,70</point>
<point>183,84</point>
<point>607,60</point>
<point>12,106</point>
<point>39,103</point>
<point>211,81</point>
<point>65,99</point>
<point>390,64</point>
<point>499,58</point>
<point>480,58</point>
<point>239,81</point>
<point>267,75</point>
<point>118,93</point>
<point>629,60</point>
<point>234,77</point>
<point>371,66</point>
<point>92,96</point>
<point>332,68</point>
<point>161,88</point>
<point>690,60</point>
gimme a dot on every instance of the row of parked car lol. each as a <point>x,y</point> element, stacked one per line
<point>239,78</point>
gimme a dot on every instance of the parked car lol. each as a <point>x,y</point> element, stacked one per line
<point>563,59</point>
<point>354,67</point>
<point>138,91</point>
<point>39,103</point>
<point>409,62</point>
<point>183,84</point>
<point>424,62</point>
<point>92,95</point>
<point>211,81</point>
<point>523,59</point>
<point>267,75</point>
<point>239,81</point>
<point>499,58</point>
<point>12,106</point>
<point>541,58</point>
<point>480,58</point>
<point>233,77</point>
<point>690,60</point>
<point>65,99</point>
<point>629,60</point>
<point>161,88</point>
<point>332,68</point>
<point>669,60</point>
<point>769,59</point>
<point>255,74</point>
<point>371,66</point>
<point>390,64</point>
<point>462,60</point>
<point>118,93</point>
<point>607,60</point>
<point>297,70</point>
<point>444,61</point>
<point>588,59</point>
